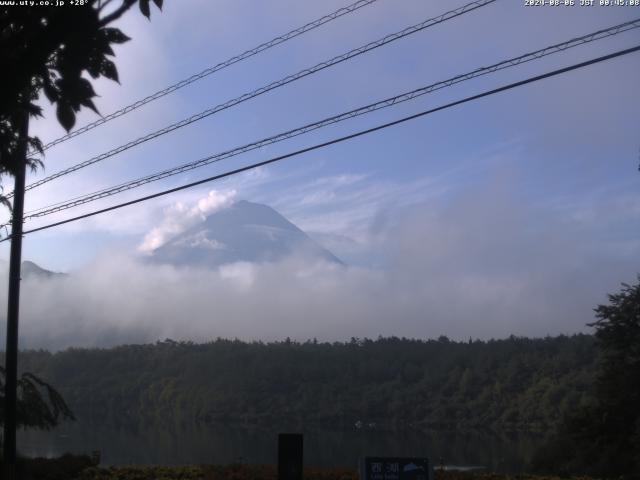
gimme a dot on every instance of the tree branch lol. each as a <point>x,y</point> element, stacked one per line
<point>102,5</point>
<point>116,14</point>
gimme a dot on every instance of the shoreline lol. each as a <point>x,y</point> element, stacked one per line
<point>74,467</point>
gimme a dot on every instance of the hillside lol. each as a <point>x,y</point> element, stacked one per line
<point>516,384</point>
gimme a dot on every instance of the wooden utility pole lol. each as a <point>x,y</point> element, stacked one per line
<point>13,310</point>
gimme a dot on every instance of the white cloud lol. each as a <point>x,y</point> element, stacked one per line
<point>200,239</point>
<point>180,216</point>
<point>243,274</point>
<point>483,264</point>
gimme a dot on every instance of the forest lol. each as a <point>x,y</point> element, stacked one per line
<point>515,384</point>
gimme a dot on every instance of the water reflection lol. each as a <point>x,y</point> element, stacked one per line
<point>223,444</point>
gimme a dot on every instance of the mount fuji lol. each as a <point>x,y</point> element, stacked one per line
<point>242,232</point>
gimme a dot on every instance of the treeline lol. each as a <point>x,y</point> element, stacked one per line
<point>516,384</point>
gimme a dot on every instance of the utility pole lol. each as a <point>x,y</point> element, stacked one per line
<point>13,310</point>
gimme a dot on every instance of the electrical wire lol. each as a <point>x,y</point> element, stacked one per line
<point>279,83</point>
<point>215,68</point>
<point>340,139</point>
<point>388,102</point>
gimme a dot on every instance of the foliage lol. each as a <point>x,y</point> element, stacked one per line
<point>49,49</point>
<point>62,468</point>
<point>516,384</point>
<point>77,467</point>
<point>39,405</point>
<point>268,472</point>
<point>618,384</point>
<point>604,438</point>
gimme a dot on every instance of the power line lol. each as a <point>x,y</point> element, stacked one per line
<point>279,83</point>
<point>340,139</point>
<point>210,70</point>
<point>388,102</point>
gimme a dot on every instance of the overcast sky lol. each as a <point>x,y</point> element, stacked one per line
<point>516,213</point>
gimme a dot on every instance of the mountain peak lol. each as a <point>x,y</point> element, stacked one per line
<point>244,231</point>
<point>32,269</point>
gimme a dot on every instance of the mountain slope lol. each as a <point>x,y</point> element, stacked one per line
<point>32,270</point>
<point>245,231</point>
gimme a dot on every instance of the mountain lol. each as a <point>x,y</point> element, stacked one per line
<point>32,270</point>
<point>244,231</point>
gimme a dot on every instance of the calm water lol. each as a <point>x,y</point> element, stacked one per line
<point>224,444</point>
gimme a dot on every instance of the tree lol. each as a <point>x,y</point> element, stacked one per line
<point>603,438</point>
<point>618,384</point>
<point>48,49</point>
<point>45,49</point>
<point>39,404</point>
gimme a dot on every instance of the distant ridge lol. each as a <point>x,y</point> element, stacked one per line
<point>31,269</point>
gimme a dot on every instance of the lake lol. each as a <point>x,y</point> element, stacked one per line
<point>223,444</point>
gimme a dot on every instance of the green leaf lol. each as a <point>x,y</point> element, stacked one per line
<point>144,8</point>
<point>34,110</point>
<point>94,71</point>
<point>35,144</point>
<point>89,104</point>
<point>34,163</point>
<point>65,115</point>
<point>84,89</point>
<point>94,64</point>
<point>115,35</point>
<point>108,69</point>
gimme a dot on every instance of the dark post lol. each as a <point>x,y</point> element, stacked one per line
<point>290,456</point>
<point>11,353</point>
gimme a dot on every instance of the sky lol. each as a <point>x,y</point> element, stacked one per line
<point>514,214</point>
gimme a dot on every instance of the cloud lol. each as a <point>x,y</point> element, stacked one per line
<point>486,263</point>
<point>345,204</point>
<point>179,217</point>
<point>200,239</point>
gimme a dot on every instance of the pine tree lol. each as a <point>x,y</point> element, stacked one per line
<point>618,384</point>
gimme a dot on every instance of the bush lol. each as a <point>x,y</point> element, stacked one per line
<point>63,468</point>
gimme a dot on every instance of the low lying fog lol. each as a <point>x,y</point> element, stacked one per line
<point>468,270</point>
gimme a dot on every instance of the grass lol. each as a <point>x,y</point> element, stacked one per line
<point>267,472</point>
<point>77,467</point>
